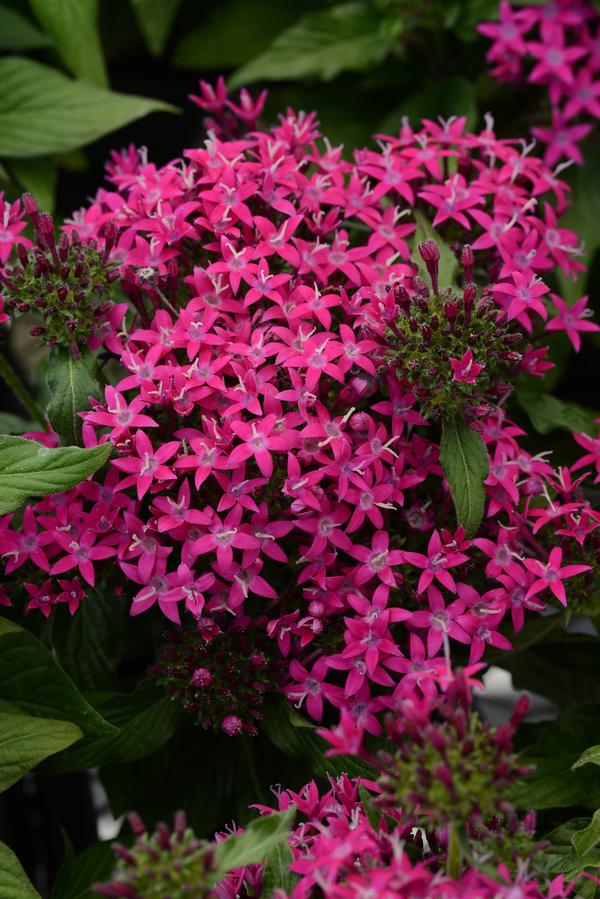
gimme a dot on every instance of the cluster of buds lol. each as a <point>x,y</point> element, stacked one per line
<point>221,678</point>
<point>65,282</point>
<point>164,863</point>
<point>455,350</point>
<point>455,771</point>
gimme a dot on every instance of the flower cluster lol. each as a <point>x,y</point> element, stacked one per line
<point>556,45</point>
<point>64,284</point>
<point>276,457</point>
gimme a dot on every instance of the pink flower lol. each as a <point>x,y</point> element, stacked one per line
<point>572,319</point>
<point>435,564</point>
<point>465,369</point>
<point>551,575</point>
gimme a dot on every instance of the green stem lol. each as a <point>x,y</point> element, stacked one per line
<point>20,391</point>
<point>251,759</point>
<point>454,857</point>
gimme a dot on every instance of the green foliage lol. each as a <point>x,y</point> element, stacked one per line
<point>18,33</point>
<point>347,37</point>
<point>42,111</point>
<point>31,678</point>
<point>25,741</point>
<point>78,872</point>
<point>155,19</point>
<point>455,95</point>
<point>14,882</point>
<point>71,381</point>
<point>465,462</point>
<point>28,468</point>
<point>277,874</point>
<point>254,845</point>
<point>72,26</point>
<point>547,413</point>
<point>591,756</point>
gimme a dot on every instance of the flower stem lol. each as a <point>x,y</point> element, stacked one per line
<point>454,857</point>
<point>15,383</point>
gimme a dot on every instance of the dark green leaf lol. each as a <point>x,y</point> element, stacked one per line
<point>277,874</point>
<point>43,111</point>
<point>14,882</point>
<point>296,737</point>
<point>71,382</point>
<point>591,756</point>
<point>72,26</point>
<point>32,680</point>
<point>473,12</point>
<point>255,844</point>
<point>143,721</point>
<point>346,37</point>
<point>464,459</point>
<point>18,33</point>
<point>228,36</point>
<point>14,424</point>
<point>447,97</point>
<point>25,741</point>
<point>28,468</point>
<point>587,839</point>
<point>77,873</point>
<point>547,413</point>
<point>155,18</point>
<point>38,176</point>
<point>448,263</point>
<point>90,644</point>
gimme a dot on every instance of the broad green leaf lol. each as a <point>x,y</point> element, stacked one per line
<point>78,872</point>
<point>25,741</point>
<point>14,882</point>
<point>465,462</point>
<point>346,37</point>
<point>18,33</point>
<point>155,19</point>
<point>43,111</point>
<point>560,856</point>
<point>143,720</point>
<point>38,176</point>
<point>14,424</point>
<point>90,644</point>
<point>560,743</point>
<point>591,756</point>
<point>277,874</point>
<point>296,737</point>
<point>254,845</point>
<point>70,382</point>
<point>548,413</point>
<point>28,468</point>
<point>72,25</point>
<point>448,263</point>
<point>587,839</point>
<point>228,36</point>
<point>32,680</point>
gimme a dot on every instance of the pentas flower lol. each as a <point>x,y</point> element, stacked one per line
<point>551,575</point>
<point>572,319</point>
<point>554,45</point>
<point>277,369</point>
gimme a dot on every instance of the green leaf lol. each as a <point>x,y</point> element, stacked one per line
<point>32,680</point>
<point>553,784</point>
<point>346,37</point>
<point>38,176</point>
<point>155,19</point>
<point>296,737</point>
<point>548,413</point>
<point>591,756</point>
<point>70,382</point>
<point>464,459</point>
<point>454,96</point>
<point>78,872</point>
<point>471,14</point>
<point>25,741</point>
<point>587,839</point>
<point>14,424</point>
<point>43,111</point>
<point>18,33</point>
<point>14,882</point>
<point>277,874</point>
<point>228,36</point>
<point>72,26</point>
<point>254,845</point>
<point>143,721</point>
<point>90,644</point>
<point>448,263</point>
<point>28,468</point>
